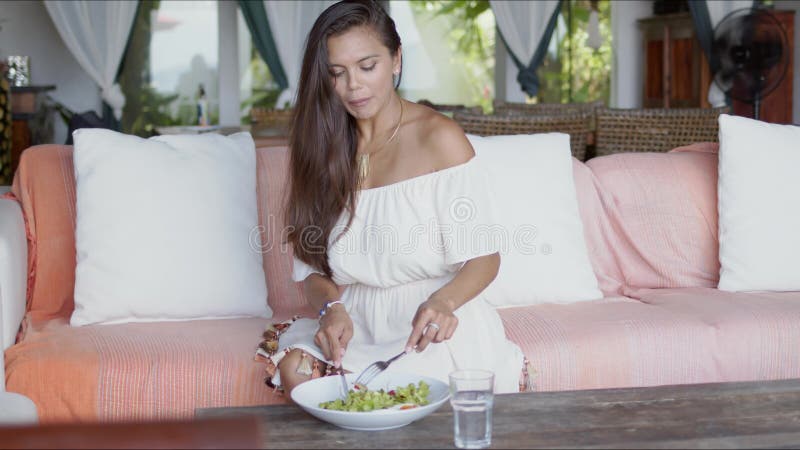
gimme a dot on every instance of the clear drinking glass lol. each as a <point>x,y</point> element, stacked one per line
<point>472,398</point>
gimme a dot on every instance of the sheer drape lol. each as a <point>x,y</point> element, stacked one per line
<point>255,16</point>
<point>526,28</point>
<point>96,34</point>
<point>290,22</point>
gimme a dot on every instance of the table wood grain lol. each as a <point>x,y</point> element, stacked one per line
<point>226,432</point>
<point>721,415</point>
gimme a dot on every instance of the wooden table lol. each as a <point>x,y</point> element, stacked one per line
<point>720,415</point>
<point>229,432</point>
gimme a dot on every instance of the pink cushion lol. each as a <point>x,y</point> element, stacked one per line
<point>598,230</point>
<point>44,184</point>
<point>285,297</point>
<point>663,216</point>
<point>614,342</point>
<point>671,336</point>
<point>757,334</point>
<point>142,371</point>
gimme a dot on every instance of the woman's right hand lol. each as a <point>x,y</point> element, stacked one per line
<point>334,333</point>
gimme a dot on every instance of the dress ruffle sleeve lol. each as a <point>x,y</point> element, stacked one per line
<point>466,213</point>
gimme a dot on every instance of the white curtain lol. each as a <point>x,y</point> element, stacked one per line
<point>96,33</point>
<point>290,21</point>
<point>523,24</point>
<point>717,10</point>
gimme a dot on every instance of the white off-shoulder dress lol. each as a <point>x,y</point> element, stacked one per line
<point>407,240</point>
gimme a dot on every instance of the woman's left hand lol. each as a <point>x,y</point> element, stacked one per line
<point>433,322</point>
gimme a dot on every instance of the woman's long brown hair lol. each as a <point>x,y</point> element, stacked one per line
<point>323,137</point>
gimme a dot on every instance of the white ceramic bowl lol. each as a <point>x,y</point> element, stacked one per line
<point>310,394</point>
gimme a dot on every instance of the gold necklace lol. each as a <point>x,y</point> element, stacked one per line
<point>363,159</point>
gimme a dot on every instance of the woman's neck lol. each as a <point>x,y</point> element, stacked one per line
<point>381,125</point>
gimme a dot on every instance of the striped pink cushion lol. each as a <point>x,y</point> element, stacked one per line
<point>598,230</point>
<point>671,336</point>
<point>285,297</point>
<point>614,342</point>
<point>662,212</point>
<point>144,371</point>
<point>757,334</point>
<point>44,184</point>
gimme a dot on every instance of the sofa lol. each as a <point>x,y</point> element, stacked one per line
<point>650,224</point>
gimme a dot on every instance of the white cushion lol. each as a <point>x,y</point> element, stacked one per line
<point>16,410</point>
<point>759,216</point>
<point>164,228</point>
<point>13,272</point>
<point>544,257</point>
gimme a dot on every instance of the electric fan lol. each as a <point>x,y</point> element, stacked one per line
<point>751,57</point>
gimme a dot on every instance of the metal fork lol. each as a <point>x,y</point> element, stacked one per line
<point>344,389</point>
<point>375,369</point>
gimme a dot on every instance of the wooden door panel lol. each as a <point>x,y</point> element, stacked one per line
<point>682,68</point>
<point>654,82</point>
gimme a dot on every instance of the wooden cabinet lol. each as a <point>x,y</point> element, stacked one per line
<point>28,111</point>
<point>676,74</point>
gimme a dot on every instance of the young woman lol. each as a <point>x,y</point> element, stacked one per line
<point>387,211</point>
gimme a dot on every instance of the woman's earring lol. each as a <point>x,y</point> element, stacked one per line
<point>395,76</point>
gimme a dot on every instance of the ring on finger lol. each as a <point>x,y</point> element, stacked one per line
<point>433,325</point>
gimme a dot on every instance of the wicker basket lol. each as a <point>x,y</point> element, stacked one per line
<point>576,125</point>
<point>654,130</point>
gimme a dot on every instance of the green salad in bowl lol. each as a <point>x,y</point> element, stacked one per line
<point>394,399</point>
<point>363,400</point>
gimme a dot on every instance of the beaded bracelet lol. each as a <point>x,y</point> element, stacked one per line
<point>327,305</point>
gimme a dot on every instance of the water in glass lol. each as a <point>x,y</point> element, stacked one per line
<point>472,399</point>
<point>472,414</point>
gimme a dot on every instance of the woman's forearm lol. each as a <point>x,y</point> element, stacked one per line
<point>320,289</point>
<point>470,281</point>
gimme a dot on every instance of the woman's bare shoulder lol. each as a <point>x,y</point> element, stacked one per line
<point>441,139</point>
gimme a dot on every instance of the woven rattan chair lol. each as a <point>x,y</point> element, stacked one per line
<point>271,117</point>
<point>526,109</point>
<point>576,125</point>
<point>654,130</point>
<point>451,108</point>
<point>502,108</point>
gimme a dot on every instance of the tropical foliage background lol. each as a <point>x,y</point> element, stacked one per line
<point>572,71</point>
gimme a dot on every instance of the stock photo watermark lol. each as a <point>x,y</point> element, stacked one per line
<point>460,230</point>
